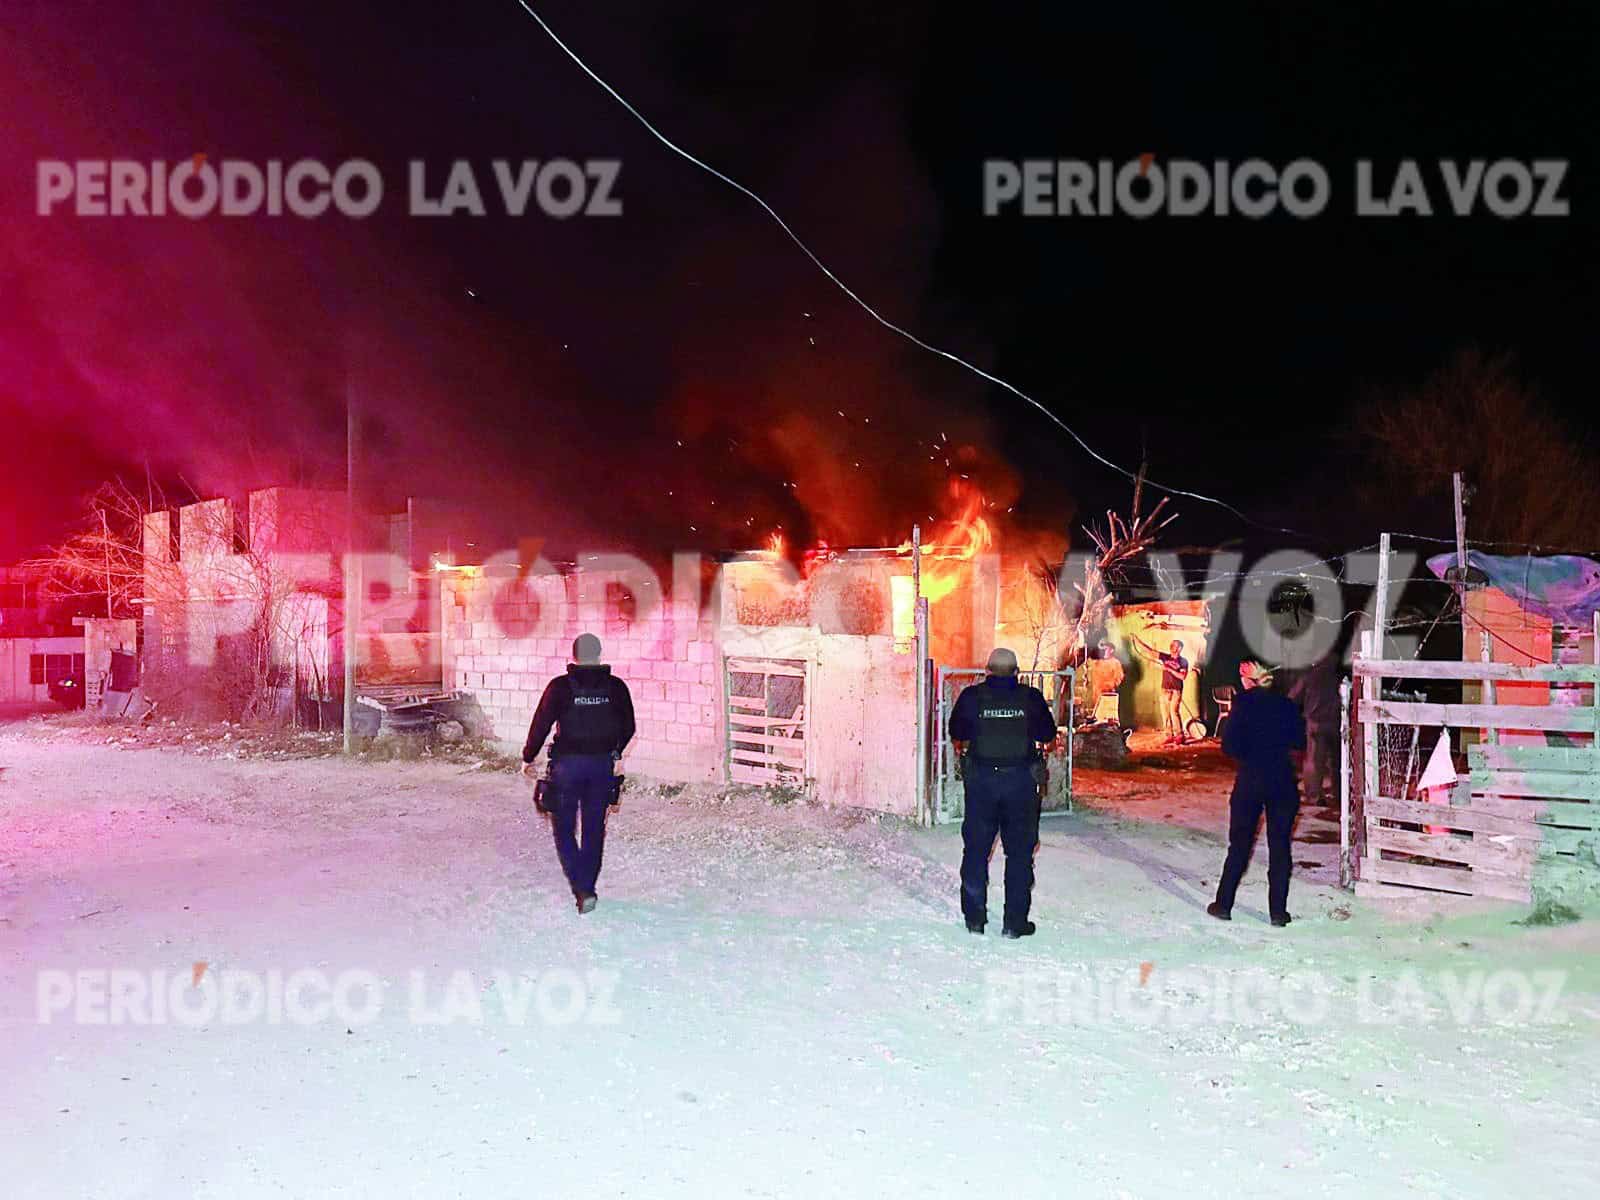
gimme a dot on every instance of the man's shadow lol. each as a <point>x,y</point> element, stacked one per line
<point>1169,878</point>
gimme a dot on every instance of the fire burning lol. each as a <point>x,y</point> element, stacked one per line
<point>975,599</point>
<point>964,537</point>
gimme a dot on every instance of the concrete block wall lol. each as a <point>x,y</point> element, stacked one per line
<point>505,639</point>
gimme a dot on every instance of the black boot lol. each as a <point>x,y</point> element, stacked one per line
<point>1216,910</point>
<point>1026,929</point>
<point>1279,920</point>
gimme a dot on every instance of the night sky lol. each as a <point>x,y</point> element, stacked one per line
<point>547,371</point>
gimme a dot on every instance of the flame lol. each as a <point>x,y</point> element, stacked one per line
<point>965,537</point>
<point>777,545</point>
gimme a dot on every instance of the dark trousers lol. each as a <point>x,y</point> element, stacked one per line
<point>582,787</point>
<point>1280,803</point>
<point>1321,771</point>
<point>1003,801</point>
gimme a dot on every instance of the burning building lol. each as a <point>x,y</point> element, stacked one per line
<point>825,676</point>
<point>818,677</point>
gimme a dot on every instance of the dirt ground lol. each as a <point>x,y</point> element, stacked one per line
<point>771,1000</point>
<point>1187,786</point>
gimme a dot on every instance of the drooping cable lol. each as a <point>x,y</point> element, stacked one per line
<point>868,308</point>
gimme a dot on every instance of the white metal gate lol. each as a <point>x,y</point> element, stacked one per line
<point>947,801</point>
<point>768,721</point>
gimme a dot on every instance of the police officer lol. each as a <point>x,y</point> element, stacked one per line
<point>1263,734</point>
<point>997,727</point>
<point>594,713</point>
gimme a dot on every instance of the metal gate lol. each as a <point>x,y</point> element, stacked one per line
<point>946,801</point>
<point>768,707</point>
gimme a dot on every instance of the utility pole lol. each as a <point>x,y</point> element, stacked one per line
<point>350,581</point>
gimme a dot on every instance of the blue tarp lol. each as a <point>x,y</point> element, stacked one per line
<point>1562,587</point>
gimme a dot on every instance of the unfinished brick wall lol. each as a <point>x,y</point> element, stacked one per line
<point>504,639</point>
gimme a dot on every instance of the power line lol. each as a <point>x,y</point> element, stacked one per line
<point>874,313</point>
<point>1486,542</point>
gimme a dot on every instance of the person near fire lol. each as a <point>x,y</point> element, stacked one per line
<point>1316,691</point>
<point>1105,682</point>
<point>1174,674</point>
<point>998,728</point>
<point>1264,733</point>
<point>592,713</point>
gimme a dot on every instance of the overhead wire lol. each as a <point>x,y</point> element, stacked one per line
<point>869,309</point>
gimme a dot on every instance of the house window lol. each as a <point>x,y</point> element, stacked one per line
<point>47,668</point>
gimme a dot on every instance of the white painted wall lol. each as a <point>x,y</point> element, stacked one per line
<point>14,655</point>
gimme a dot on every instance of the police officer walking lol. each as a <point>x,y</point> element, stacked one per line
<point>997,727</point>
<point>593,714</point>
<point>1263,733</point>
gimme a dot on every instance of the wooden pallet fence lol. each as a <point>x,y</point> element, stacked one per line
<point>1518,808</point>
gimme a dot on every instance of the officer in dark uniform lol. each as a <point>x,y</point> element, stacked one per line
<point>1263,734</point>
<point>998,727</point>
<point>594,713</point>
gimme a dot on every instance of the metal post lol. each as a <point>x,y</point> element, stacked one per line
<point>924,673</point>
<point>919,647</point>
<point>1344,785</point>
<point>351,583</point>
<point>1461,533</point>
<point>940,747</point>
<point>1072,724</point>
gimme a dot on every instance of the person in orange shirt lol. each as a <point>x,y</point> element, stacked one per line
<point>1105,681</point>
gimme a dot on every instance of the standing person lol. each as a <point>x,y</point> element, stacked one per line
<point>1317,694</point>
<point>1264,733</point>
<point>1105,682</point>
<point>997,727</point>
<point>594,714</point>
<point>1174,674</point>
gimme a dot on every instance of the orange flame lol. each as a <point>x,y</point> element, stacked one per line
<point>966,536</point>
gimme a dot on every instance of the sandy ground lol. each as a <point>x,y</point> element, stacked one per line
<point>775,1001</point>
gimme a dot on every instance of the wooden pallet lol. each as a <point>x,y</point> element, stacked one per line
<point>1522,806</point>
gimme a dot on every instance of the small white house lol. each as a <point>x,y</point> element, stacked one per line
<point>34,649</point>
<point>28,665</point>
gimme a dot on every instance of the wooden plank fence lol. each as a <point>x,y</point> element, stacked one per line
<point>1518,806</point>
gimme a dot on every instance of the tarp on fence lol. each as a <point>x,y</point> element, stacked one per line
<point>1562,587</point>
